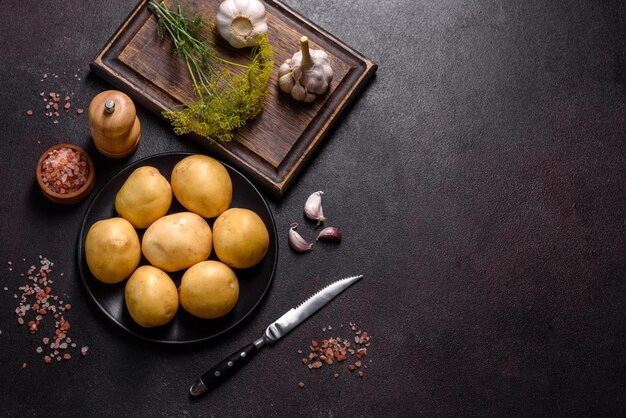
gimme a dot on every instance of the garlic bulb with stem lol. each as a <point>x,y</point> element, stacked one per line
<point>240,22</point>
<point>313,207</point>
<point>297,242</point>
<point>307,74</point>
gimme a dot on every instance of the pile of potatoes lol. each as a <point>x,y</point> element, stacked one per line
<point>208,289</point>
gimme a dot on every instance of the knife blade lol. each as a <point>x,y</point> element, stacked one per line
<point>276,330</point>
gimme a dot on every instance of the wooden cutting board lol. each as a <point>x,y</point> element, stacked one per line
<point>272,148</point>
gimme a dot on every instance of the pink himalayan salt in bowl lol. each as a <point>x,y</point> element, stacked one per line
<point>65,173</point>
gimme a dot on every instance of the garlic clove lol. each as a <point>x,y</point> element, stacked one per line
<point>330,233</point>
<point>251,8</point>
<point>297,58</point>
<point>296,73</point>
<point>286,83</point>
<point>298,92</point>
<point>261,27</point>
<point>315,85</point>
<point>318,54</point>
<point>223,20</point>
<point>297,242</point>
<point>284,70</point>
<point>313,207</point>
<point>240,5</point>
<point>285,77</point>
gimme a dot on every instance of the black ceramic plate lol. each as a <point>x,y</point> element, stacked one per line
<point>184,328</point>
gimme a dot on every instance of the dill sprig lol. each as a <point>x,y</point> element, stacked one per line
<point>226,101</point>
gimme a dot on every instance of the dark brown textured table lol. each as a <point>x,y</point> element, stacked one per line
<point>480,185</point>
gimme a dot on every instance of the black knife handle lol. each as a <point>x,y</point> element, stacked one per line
<point>227,367</point>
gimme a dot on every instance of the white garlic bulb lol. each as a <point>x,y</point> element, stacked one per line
<point>306,74</point>
<point>240,22</point>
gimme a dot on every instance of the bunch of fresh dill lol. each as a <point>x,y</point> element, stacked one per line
<point>226,101</point>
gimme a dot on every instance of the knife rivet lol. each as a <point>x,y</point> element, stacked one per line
<point>230,364</point>
<point>243,354</point>
<point>217,374</point>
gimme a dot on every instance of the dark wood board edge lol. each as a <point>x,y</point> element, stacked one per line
<point>278,181</point>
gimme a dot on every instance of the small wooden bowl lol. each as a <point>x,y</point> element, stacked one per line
<point>72,197</point>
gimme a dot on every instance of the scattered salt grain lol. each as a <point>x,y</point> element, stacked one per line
<point>37,299</point>
<point>335,350</point>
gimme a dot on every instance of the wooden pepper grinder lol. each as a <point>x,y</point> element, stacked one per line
<point>114,124</point>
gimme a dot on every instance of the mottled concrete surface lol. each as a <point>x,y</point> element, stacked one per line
<point>479,182</point>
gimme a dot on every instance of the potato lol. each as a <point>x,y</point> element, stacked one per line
<point>112,250</point>
<point>202,185</point>
<point>151,297</point>
<point>144,197</point>
<point>177,241</point>
<point>240,238</point>
<point>209,290</point>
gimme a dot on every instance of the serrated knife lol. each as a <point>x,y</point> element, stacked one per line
<point>274,332</point>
